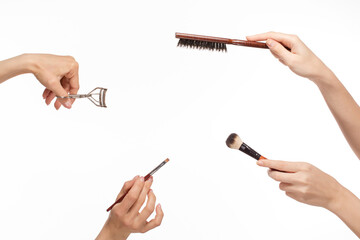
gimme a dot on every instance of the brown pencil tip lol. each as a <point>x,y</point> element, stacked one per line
<point>234,141</point>
<point>166,160</point>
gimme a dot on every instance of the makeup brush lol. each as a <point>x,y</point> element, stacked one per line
<point>213,43</point>
<point>235,142</point>
<point>145,179</point>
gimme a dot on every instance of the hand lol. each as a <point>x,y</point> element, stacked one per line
<point>301,60</point>
<point>304,182</point>
<point>58,74</point>
<point>125,217</point>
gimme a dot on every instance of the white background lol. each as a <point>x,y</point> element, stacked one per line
<point>60,170</point>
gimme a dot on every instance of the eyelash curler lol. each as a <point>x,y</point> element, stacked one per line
<point>100,102</point>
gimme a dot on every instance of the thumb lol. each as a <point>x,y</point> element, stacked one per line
<point>59,91</point>
<point>279,51</point>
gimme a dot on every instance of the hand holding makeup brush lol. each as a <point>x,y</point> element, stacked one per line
<point>126,218</point>
<point>308,184</point>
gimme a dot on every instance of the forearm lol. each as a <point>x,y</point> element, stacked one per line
<point>15,66</point>
<point>347,208</point>
<point>343,107</point>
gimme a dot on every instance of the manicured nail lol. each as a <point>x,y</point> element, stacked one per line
<point>159,205</point>
<point>270,43</point>
<point>150,179</point>
<point>68,104</point>
<point>260,163</point>
<point>142,179</point>
<point>136,177</point>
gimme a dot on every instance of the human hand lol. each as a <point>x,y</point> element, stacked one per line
<point>304,182</point>
<point>301,60</point>
<point>58,74</point>
<point>125,217</point>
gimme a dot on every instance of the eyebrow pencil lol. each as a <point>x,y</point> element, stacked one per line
<point>213,43</point>
<point>235,142</point>
<point>145,179</point>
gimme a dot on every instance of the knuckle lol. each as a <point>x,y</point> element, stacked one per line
<point>150,208</point>
<point>158,222</point>
<point>128,223</point>
<point>143,230</point>
<point>132,196</point>
<point>307,166</point>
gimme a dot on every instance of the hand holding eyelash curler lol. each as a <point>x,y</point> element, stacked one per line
<point>100,102</point>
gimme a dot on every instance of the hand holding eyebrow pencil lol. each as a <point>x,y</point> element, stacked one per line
<point>145,179</point>
<point>126,217</point>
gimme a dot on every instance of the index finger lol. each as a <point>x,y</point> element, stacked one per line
<point>74,82</point>
<point>286,39</point>
<point>279,165</point>
<point>132,196</point>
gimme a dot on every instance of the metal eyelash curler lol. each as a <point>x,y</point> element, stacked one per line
<point>101,94</point>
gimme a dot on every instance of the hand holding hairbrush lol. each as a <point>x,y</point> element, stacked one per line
<point>213,43</point>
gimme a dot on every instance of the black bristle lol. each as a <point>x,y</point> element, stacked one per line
<point>202,45</point>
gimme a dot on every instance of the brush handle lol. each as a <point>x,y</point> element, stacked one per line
<point>117,201</point>
<point>251,152</point>
<point>221,40</point>
<point>248,43</point>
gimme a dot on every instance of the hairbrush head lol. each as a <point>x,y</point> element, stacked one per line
<point>202,45</point>
<point>234,141</point>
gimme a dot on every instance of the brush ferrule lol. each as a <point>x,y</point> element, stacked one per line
<point>249,151</point>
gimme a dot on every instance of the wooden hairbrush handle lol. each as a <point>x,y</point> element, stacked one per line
<point>248,43</point>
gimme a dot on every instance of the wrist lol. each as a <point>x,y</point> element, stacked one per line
<point>326,79</point>
<point>338,200</point>
<point>27,64</point>
<point>107,233</point>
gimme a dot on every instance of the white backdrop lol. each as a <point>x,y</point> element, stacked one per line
<point>60,170</point>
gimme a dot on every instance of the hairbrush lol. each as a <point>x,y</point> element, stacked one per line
<point>213,43</point>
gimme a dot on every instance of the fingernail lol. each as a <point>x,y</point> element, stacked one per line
<point>68,104</point>
<point>270,43</point>
<point>150,179</point>
<point>159,205</point>
<point>142,179</point>
<point>136,177</point>
<point>260,163</point>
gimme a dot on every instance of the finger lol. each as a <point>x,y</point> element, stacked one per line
<point>281,176</point>
<point>132,196</point>
<point>126,187</point>
<point>279,51</point>
<point>46,93</point>
<point>58,89</point>
<point>149,208</point>
<point>136,208</point>
<point>287,187</point>
<point>286,39</point>
<point>280,165</point>
<point>66,86</point>
<point>50,97</point>
<point>73,77</point>
<point>156,221</point>
<point>57,105</point>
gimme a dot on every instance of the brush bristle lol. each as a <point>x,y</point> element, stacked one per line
<point>221,47</point>
<point>234,141</point>
<point>166,160</point>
